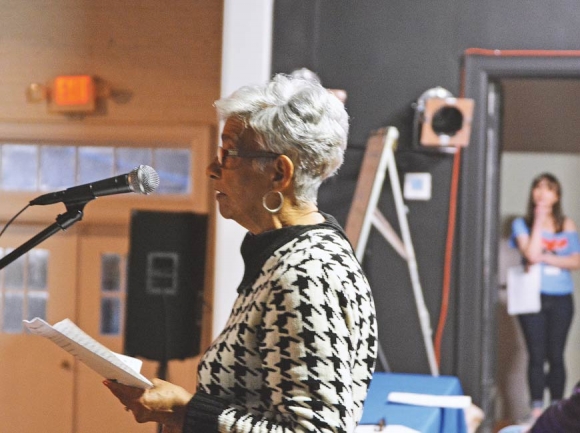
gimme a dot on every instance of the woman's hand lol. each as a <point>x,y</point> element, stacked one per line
<point>531,246</point>
<point>541,212</point>
<point>165,403</point>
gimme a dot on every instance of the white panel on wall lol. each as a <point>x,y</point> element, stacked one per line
<point>246,59</point>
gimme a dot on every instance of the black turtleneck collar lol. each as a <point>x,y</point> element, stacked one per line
<point>256,249</point>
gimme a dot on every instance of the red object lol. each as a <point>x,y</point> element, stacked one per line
<point>73,93</point>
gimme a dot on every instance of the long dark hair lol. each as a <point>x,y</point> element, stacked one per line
<point>557,214</point>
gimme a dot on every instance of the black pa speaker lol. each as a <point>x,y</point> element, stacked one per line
<point>165,284</point>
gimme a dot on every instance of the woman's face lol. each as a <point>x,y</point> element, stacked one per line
<point>545,194</point>
<point>238,185</point>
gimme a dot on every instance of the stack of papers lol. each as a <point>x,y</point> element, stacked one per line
<point>387,429</point>
<point>452,401</point>
<point>110,365</point>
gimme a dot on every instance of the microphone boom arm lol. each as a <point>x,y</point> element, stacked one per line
<point>73,214</point>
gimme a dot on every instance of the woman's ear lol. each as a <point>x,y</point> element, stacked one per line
<point>283,172</point>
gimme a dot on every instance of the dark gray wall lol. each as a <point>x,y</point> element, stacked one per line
<point>385,54</point>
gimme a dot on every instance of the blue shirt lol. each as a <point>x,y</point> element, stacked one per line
<point>555,281</point>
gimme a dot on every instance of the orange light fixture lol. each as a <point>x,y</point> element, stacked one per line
<point>72,94</point>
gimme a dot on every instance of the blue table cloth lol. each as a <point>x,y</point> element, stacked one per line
<point>423,419</point>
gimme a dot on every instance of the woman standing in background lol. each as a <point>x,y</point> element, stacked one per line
<point>545,236</point>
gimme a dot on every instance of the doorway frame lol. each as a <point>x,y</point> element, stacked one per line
<point>478,211</point>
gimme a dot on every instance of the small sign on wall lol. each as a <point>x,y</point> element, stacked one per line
<point>72,94</point>
<point>417,186</point>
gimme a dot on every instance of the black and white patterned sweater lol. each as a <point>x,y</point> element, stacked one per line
<point>298,351</point>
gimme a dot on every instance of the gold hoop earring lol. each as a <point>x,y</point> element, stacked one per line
<point>276,210</point>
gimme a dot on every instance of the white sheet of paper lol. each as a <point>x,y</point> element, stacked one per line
<point>89,351</point>
<point>552,270</point>
<point>415,399</point>
<point>388,429</point>
<point>523,290</point>
<point>133,363</point>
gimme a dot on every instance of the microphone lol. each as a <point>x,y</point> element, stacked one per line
<point>142,180</point>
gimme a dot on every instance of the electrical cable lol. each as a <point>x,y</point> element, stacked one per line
<point>13,218</point>
<point>448,255</point>
<point>447,265</point>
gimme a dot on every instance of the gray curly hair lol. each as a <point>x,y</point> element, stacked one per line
<point>296,117</point>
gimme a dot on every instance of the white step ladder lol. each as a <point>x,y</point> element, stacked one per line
<point>378,159</point>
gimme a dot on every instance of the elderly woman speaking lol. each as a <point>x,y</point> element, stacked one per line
<point>299,348</point>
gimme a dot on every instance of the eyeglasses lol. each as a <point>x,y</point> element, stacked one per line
<point>222,154</point>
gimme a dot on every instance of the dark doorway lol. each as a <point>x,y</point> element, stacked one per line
<point>478,212</point>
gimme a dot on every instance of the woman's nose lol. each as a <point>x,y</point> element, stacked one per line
<point>213,170</point>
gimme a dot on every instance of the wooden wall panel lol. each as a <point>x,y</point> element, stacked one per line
<point>163,61</point>
<point>163,58</point>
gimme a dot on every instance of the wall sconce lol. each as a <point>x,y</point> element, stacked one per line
<point>69,94</point>
<point>442,120</point>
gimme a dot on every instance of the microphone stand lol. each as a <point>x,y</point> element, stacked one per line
<point>63,221</point>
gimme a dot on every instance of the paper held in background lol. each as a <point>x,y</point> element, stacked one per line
<point>523,289</point>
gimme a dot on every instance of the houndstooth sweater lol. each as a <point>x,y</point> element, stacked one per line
<point>299,348</point>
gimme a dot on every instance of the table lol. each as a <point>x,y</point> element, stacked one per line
<point>423,419</point>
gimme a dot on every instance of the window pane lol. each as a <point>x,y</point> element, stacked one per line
<point>130,157</point>
<point>111,273</point>
<point>37,305</point>
<point>95,163</point>
<point>57,167</point>
<point>19,167</point>
<point>110,316</point>
<point>14,273</point>
<point>37,269</point>
<point>13,312</point>
<point>173,167</point>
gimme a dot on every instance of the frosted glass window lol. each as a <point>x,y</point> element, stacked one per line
<point>111,273</point>
<point>57,167</point>
<point>14,273</point>
<point>95,163</point>
<point>110,316</point>
<point>112,293</point>
<point>19,167</point>
<point>25,289</point>
<point>44,168</point>
<point>174,168</point>
<point>12,315</point>
<point>37,269</point>
<point>37,305</point>
<point>130,157</point>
